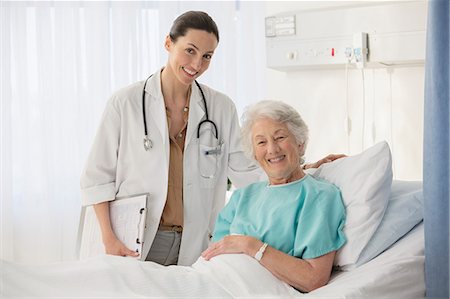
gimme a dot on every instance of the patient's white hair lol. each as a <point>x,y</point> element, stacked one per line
<point>277,111</point>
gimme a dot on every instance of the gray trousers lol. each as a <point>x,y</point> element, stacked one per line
<point>165,248</point>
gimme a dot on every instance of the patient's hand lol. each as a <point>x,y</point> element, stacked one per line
<point>233,244</point>
<point>327,159</point>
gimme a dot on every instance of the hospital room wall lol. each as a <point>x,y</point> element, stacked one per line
<point>387,105</point>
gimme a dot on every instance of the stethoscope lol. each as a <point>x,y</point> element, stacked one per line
<point>148,144</point>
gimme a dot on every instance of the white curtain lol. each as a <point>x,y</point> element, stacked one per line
<point>60,61</point>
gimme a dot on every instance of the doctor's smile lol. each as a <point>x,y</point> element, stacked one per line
<point>191,73</point>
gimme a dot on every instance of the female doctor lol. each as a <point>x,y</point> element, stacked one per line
<point>175,139</point>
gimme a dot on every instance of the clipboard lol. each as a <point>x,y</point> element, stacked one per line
<point>127,216</point>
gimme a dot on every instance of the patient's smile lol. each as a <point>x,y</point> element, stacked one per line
<point>277,159</point>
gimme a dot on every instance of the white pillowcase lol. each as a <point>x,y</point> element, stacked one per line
<point>365,183</point>
<point>403,213</point>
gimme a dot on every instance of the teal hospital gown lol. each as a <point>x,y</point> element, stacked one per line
<point>304,218</point>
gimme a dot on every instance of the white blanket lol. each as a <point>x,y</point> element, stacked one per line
<point>225,276</point>
<point>397,273</point>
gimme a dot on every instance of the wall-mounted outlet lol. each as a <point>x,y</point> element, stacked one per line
<point>360,49</point>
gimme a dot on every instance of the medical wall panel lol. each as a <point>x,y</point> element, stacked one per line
<point>325,37</point>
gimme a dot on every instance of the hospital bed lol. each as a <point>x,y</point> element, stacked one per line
<point>398,272</point>
<point>389,264</point>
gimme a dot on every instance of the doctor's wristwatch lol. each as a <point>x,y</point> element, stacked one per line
<point>259,254</point>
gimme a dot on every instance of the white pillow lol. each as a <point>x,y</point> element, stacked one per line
<point>403,213</point>
<point>365,183</point>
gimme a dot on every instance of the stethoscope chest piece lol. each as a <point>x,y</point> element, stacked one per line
<point>148,144</point>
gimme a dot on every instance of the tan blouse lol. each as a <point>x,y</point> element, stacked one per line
<point>173,210</point>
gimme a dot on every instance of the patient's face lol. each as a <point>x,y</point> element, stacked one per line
<point>276,150</point>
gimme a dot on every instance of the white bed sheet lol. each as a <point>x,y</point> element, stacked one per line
<point>397,273</point>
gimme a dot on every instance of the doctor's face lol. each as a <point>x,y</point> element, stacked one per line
<point>190,55</point>
<point>276,150</point>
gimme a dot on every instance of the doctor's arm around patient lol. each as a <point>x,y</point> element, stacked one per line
<point>292,223</point>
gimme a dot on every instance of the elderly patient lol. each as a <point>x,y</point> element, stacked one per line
<point>293,223</point>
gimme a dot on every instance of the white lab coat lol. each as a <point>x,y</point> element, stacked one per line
<point>118,164</point>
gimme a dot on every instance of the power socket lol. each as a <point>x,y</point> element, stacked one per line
<point>360,49</point>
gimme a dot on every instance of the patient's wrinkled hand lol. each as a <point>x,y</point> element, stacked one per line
<point>232,244</point>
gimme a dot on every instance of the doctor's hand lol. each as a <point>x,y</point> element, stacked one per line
<point>115,247</point>
<point>329,158</point>
<point>233,244</point>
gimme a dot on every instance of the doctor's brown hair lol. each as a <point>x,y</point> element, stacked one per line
<point>193,20</point>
